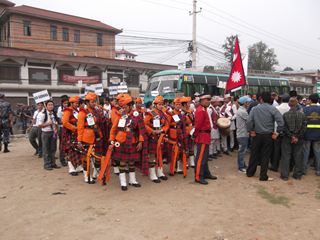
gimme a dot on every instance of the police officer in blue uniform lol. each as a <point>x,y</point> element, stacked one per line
<point>5,123</point>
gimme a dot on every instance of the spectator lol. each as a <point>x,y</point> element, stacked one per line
<point>49,126</point>
<point>261,126</point>
<point>312,134</point>
<point>292,141</point>
<point>242,132</point>
<point>35,132</point>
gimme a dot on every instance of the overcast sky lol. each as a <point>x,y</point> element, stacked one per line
<point>291,27</point>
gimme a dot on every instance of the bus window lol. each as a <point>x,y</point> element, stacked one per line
<point>284,90</point>
<point>168,86</point>
<point>253,89</point>
<point>153,86</point>
<point>275,89</point>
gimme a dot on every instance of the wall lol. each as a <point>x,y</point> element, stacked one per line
<point>40,39</point>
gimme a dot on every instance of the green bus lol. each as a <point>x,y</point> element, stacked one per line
<point>170,82</point>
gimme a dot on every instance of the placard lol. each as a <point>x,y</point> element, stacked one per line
<point>41,96</point>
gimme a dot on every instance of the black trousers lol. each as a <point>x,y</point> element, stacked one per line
<point>204,168</point>
<point>261,150</point>
<point>276,153</point>
<point>290,151</point>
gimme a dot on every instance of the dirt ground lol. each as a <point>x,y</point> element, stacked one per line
<point>233,207</point>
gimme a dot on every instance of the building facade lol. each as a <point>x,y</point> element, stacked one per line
<point>41,49</point>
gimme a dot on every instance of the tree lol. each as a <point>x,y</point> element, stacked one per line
<point>288,69</point>
<point>208,69</point>
<point>261,57</point>
<point>228,47</point>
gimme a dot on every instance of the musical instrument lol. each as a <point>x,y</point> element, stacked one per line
<point>224,125</point>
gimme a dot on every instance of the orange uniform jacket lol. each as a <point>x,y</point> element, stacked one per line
<point>148,121</point>
<point>85,134</point>
<point>121,136</point>
<point>68,112</point>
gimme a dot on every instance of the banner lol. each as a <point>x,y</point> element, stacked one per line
<point>41,96</point>
<point>122,89</point>
<point>76,79</point>
<point>113,90</point>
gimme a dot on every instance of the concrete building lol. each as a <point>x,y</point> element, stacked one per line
<point>125,55</point>
<point>41,49</point>
<point>305,82</point>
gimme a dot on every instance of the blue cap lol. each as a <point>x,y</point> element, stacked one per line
<point>244,99</point>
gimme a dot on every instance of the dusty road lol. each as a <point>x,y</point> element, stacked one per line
<point>234,207</point>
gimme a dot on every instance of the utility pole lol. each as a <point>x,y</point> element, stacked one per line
<point>194,33</point>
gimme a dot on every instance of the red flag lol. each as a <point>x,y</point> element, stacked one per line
<point>236,77</point>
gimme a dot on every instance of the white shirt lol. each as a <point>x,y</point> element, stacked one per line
<point>283,108</point>
<point>210,111</point>
<point>36,118</point>
<point>41,117</point>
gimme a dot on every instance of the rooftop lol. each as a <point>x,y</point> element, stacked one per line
<point>61,17</point>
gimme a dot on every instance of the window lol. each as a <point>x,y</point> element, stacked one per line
<point>65,34</point>
<point>53,32</point>
<point>77,36</point>
<point>26,28</point>
<point>65,69</point>
<point>99,39</point>
<point>39,75</point>
<point>9,71</point>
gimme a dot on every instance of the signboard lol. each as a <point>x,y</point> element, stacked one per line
<point>89,89</point>
<point>113,90</point>
<point>41,96</point>
<point>123,89</point>
<point>85,79</point>
<point>167,90</point>
<point>154,93</point>
<point>222,84</point>
<point>98,88</point>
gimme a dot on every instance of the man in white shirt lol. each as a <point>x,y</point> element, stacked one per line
<point>35,132</point>
<point>228,110</point>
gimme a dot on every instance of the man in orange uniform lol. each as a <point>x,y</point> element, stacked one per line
<point>69,133</point>
<point>89,134</point>
<point>202,135</point>
<point>157,125</point>
<point>139,107</point>
<point>189,121</point>
<point>126,137</point>
<point>177,137</point>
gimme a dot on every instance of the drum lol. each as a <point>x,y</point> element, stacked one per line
<point>223,123</point>
<point>224,126</point>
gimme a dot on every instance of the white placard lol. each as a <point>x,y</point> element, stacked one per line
<point>222,84</point>
<point>41,96</point>
<point>154,93</point>
<point>89,89</point>
<point>113,90</point>
<point>167,90</point>
<point>98,88</point>
<point>122,89</point>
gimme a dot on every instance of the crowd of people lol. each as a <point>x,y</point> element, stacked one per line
<point>96,135</point>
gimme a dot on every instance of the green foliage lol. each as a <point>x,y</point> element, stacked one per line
<point>228,47</point>
<point>261,57</point>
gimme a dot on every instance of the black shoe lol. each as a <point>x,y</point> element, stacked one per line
<point>40,156</point>
<point>211,177</point>
<point>180,172</point>
<point>156,181</point>
<point>273,169</point>
<point>164,178</point>
<point>55,166</point>
<point>91,181</point>
<point>284,178</point>
<point>296,177</point>
<point>48,168</point>
<point>135,184</point>
<point>64,164</point>
<point>124,188</point>
<point>204,182</point>
<point>73,174</point>
<point>36,153</point>
<point>226,153</point>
